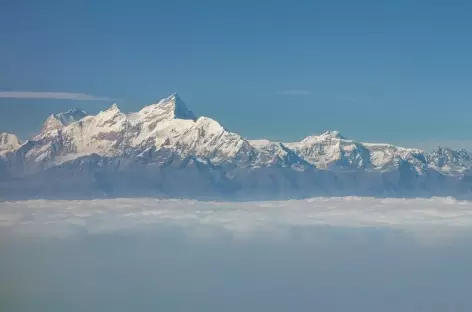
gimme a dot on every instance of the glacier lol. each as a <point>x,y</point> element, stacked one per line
<point>165,150</point>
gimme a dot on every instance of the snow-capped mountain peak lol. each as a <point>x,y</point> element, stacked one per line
<point>113,133</point>
<point>171,107</point>
<point>52,123</point>
<point>333,134</point>
<point>327,136</point>
<point>72,115</point>
<point>331,150</point>
<point>8,142</point>
<point>450,161</point>
<point>209,125</point>
<point>113,108</point>
<point>59,120</point>
<point>110,115</point>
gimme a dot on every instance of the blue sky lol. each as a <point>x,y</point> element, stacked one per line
<point>397,71</point>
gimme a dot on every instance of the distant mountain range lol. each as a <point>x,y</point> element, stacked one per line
<point>166,150</point>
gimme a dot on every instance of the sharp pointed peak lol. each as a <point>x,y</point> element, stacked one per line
<point>113,107</point>
<point>51,117</point>
<point>173,97</point>
<point>173,103</point>
<point>51,123</point>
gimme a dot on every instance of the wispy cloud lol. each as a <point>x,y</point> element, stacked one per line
<point>52,95</point>
<point>295,92</point>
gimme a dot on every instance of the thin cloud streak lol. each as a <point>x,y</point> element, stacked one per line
<point>52,95</point>
<point>295,92</point>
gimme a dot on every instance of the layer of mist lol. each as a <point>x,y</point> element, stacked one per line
<point>339,254</point>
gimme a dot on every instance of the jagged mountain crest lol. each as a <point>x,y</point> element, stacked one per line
<point>60,120</point>
<point>449,160</point>
<point>167,139</point>
<point>170,124</point>
<point>72,115</point>
<point>166,124</point>
<point>331,150</point>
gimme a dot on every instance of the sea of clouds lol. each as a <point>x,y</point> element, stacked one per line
<point>319,254</point>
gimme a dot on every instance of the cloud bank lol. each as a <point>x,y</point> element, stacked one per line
<point>422,217</point>
<point>52,95</point>
<point>321,254</point>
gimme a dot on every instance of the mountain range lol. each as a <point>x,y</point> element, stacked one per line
<point>166,150</point>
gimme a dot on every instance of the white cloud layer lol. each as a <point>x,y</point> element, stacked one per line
<point>319,254</point>
<point>438,216</point>
<point>51,95</point>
